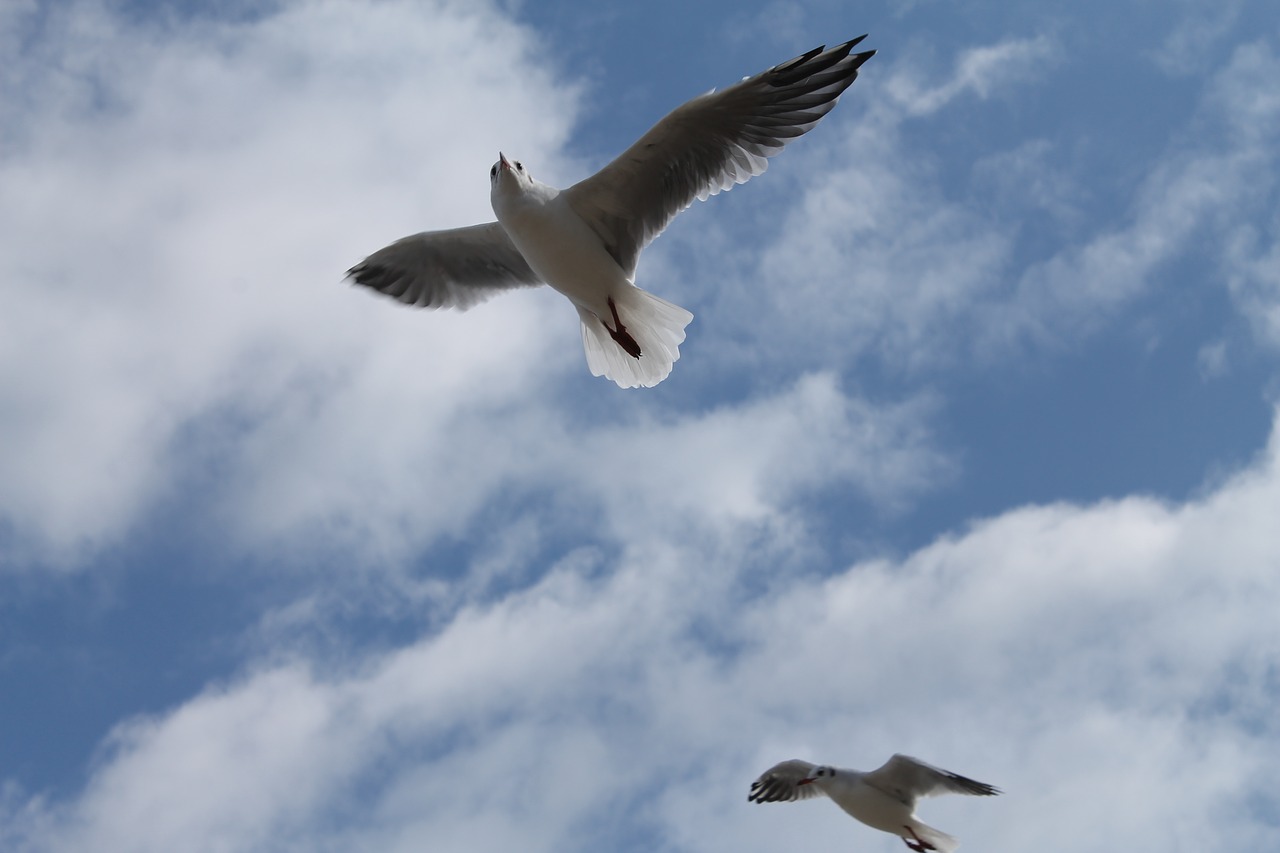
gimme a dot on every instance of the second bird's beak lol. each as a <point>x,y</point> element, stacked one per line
<point>502,160</point>
<point>805,782</point>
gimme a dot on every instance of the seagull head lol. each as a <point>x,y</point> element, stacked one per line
<point>510,168</point>
<point>818,776</point>
<point>510,183</point>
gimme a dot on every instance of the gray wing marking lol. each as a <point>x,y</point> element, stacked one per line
<point>709,144</point>
<point>457,268</point>
<point>905,779</point>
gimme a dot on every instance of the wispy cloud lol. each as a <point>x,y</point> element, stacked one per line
<point>887,256</point>
<point>653,597</point>
<point>979,71</point>
<point>1122,644</point>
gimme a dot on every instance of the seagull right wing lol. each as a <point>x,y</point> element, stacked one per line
<point>457,268</point>
<point>707,145</point>
<point>905,779</point>
<point>779,784</point>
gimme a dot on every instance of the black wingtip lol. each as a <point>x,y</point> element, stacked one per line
<point>361,273</point>
<point>973,786</point>
<point>799,60</point>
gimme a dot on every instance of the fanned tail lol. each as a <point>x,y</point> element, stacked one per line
<point>655,324</point>
<point>940,841</point>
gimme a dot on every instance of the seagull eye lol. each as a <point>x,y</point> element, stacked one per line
<point>519,167</point>
<point>493,172</point>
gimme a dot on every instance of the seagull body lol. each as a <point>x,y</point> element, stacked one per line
<point>883,799</point>
<point>585,240</point>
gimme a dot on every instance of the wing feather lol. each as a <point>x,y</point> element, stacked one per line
<point>778,784</point>
<point>710,144</point>
<point>457,268</point>
<point>905,779</point>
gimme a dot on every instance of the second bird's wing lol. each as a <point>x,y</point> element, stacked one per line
<point>905,779</point>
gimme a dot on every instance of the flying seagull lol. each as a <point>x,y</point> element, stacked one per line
<point>585,240</point>
<point>884,798</point>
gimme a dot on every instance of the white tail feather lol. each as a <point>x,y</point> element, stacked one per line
<point>657,326</point>
<point>941,842</point>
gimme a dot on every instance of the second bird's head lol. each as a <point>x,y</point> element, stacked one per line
<point>819,776</point>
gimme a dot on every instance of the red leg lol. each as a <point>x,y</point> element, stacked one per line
<point>620,334</point>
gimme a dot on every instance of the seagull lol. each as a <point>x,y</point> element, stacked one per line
<point>585,241</point>
<point>884,798</point>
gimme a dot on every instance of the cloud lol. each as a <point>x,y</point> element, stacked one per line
<point>1196,26</point>
<point>1114,659</point>
<point>1212,360</point>
<point>189,198</point>
<point>1213,181</point>
<point>1251,257</point>
<point>979,71</point>
<point>876,256</point>
<point>919,262</point>
<point>179,206</point>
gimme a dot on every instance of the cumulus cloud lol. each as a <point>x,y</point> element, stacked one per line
<point>1056,650</point>
<point>646,613</point>
<point>179,207</point>
<point>182,206</point>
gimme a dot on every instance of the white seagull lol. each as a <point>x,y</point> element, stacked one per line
<point>884,798</point>
<point>584,241</point>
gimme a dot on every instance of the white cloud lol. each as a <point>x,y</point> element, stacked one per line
<point>1114,660</point>
<point>431,474</point>
<point>1251,253</point>
<point>1212,182</point>
<point>876,256</point>
<point>178,212</point>
<point>889,255</point>
<point>198,349</point>
<point>1212,360</point>
<point>981,71</point>
<point>1196,27</point>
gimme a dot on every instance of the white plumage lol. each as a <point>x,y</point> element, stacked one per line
<point>585,240</point>
<point>884,798</point>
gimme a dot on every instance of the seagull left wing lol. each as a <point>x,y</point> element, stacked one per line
<point>780,783</point>
<point>905,779</point>
<point>710,144</point>
<point>457,268</point>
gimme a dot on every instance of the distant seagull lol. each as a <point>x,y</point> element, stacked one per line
<point>884,799</point>
<point>584,241</point>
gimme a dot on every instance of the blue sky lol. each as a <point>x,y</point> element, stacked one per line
<point>971,451</point>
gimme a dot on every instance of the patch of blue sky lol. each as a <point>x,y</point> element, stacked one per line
<point>371,555</point>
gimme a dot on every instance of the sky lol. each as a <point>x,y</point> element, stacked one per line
<point>971,452</point>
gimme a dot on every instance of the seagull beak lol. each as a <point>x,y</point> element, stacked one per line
<point>805,782</point>
<point>503,161</point>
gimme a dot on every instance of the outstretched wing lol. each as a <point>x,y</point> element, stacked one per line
<point>710,144</point>
<point>457,268</point>
<point>905,779</point>
<point>779,784</point>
